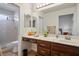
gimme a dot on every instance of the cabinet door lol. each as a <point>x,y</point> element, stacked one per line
<point>57,53</point>
<point>43,48</point>
<point>64,50</point>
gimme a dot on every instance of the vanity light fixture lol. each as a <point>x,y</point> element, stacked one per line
<point>41,5</point>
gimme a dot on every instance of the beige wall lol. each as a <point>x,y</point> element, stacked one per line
<point>77,7</point>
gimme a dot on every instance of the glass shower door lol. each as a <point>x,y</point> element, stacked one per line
<point>2,28</point>
<point>8,29</point>
<point>9,21</point>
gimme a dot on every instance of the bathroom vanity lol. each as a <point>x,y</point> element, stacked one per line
<point>52,46</point>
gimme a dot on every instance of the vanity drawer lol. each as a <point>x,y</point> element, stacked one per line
<point>33,40</point>
<point>25,39</point>
<point>29,40</point>
<point>44,44</point>
<point>43,51</point>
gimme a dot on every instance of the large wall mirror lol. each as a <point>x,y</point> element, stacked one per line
<point>61,21</point>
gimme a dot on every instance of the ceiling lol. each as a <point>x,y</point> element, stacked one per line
<point>55,7</point>
<point>8,7</point>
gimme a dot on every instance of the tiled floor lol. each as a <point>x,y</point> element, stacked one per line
<point>9,53</point>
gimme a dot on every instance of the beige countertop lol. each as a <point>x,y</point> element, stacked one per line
<point>73,41</point>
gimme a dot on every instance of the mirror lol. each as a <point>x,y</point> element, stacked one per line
<point>29,21</point>
<point>61,21</point>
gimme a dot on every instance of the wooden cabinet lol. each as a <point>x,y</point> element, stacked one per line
<point>63,50</point>
<point>43,48</point>
<point>56,53</point>
<point>46,48</point>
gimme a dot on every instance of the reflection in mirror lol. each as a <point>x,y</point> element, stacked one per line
<point>66,24</point>
<point>27,21</point>
<point>51,29</point>
<point>34,21</point>
<point>41,24</point>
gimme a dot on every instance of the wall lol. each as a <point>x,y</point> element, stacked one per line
<point>77,21</point>
<point>24,9</point>
<point>52,18</point>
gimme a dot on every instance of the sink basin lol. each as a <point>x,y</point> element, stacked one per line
<point>62,39</point>
<point>68,41</point>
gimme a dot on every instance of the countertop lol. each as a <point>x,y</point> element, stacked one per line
<point>72,42</point>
